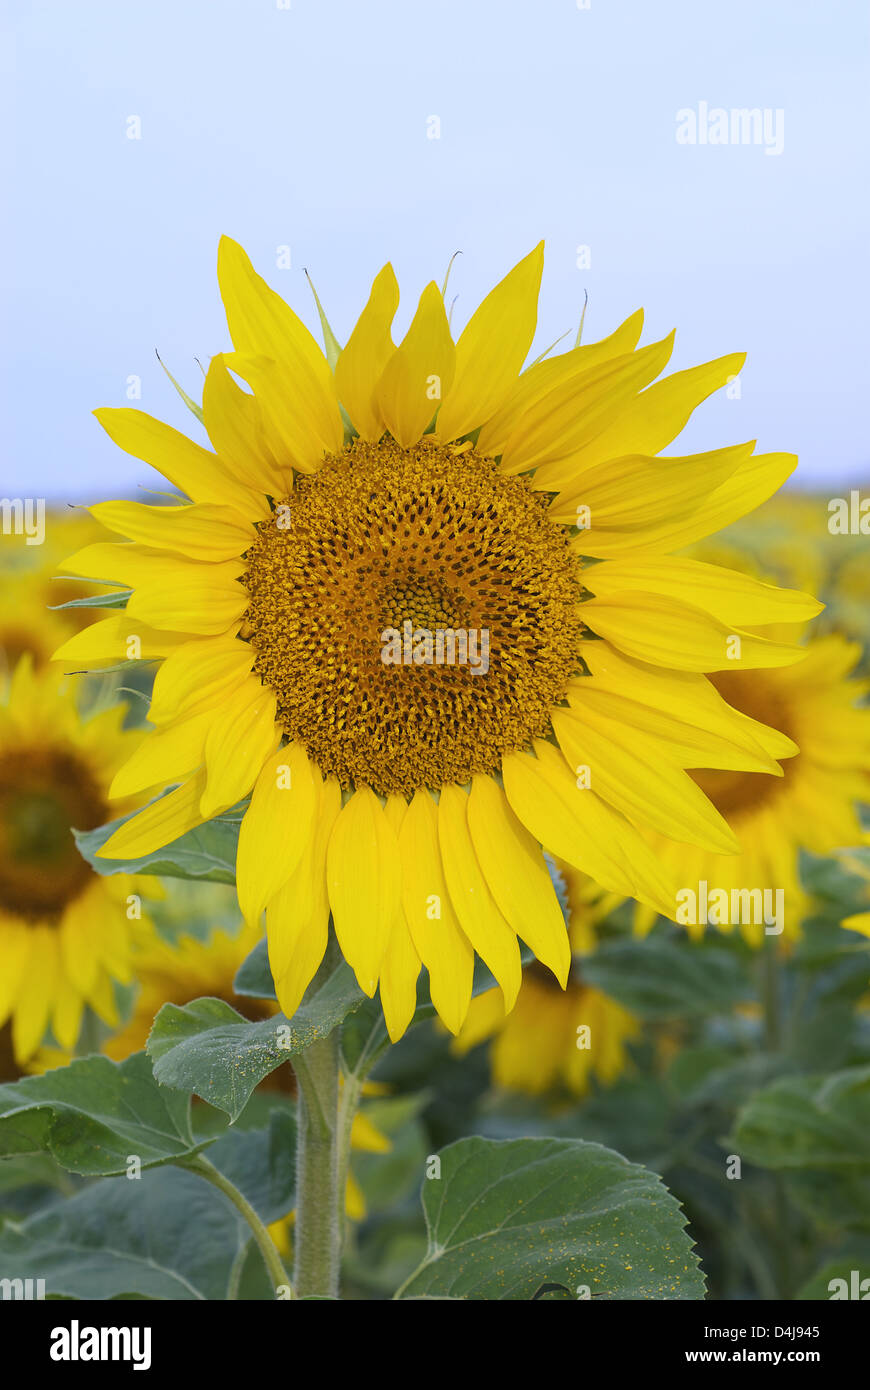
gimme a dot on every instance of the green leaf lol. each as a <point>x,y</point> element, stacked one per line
<point>261,1163</point>
<point>208,1048</point>
<point>808,1122</point>
<point>660,978</point>
<point>206,853</point>
<point>254,976</point>
<point>169,1235</point>
<point>93,1114</point>
<point>509,1216</point>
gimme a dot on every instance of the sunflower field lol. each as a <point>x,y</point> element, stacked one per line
<point>432,862</point>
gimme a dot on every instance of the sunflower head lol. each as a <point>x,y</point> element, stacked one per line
<point>419,606</point>
<point>64,930</point>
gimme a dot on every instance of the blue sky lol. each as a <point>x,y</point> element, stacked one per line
<point>307,126</point>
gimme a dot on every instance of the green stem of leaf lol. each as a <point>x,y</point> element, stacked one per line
<point>198,1163</point>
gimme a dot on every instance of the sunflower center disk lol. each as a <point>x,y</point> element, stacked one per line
<point>415,613</point>
<point>43,794</point>
<point>733,791</point>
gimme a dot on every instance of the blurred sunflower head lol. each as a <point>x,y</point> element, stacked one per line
<point>415,594</point>
<point>33,620</point>
<point>183,970</point>
<point>554,1039</point>
<point>810,803</point>
<point>64,930</point>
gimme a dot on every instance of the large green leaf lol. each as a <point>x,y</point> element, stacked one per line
<point>169,1235</point>
<point>660,978</point>
<point>208,852</point>
<point>808,1122</point>
<point>208,1048</point>
<point>509,1216</point>
<point>94,1114</point>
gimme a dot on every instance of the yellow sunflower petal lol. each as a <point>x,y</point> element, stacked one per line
<point>299,394</point>
<point>36,995</point>
<point>492,348</point>
<point>241,736</point>
<point>276,828</point>
<point>441,944</point>
<point>579,409</point>
<point>626,498</point>
<point>169,592</point>
<point>580,827</point>
<point>418,375</point>
<point>200,531</point>
<point>198,675</point>
<point>542,376</point>
<point>648,423</point>
<point>16,940</point>
<point>686,695</point>
<point>726,594</point>
<point>297,918</point>
<point>513,866</point>
<point>625,770</point>
<point>479,917</point>
<point>164,756</point>
<point>756,479</point>
<point>192,469</point>
<point>401,965</point>
<point>108,639</point>
<point>664,632</point>
<point>158,824</point>
<point>486,1015</point>
<point>66,1017</point>
<point>362,871</point>
<point>369,348</point>
<point>234,424</point>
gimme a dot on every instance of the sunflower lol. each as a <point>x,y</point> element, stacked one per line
<point>554,1038</point>
<point>416,592</point>
<point>32,619</point>
<point>180,971</point>
<point>824,773</point>
<point>64,930</point>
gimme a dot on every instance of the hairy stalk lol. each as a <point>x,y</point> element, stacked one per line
<point>319,1195</point>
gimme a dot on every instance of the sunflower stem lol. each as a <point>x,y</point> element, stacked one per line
<point>317,1234</point>
<point>348,1105</point>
